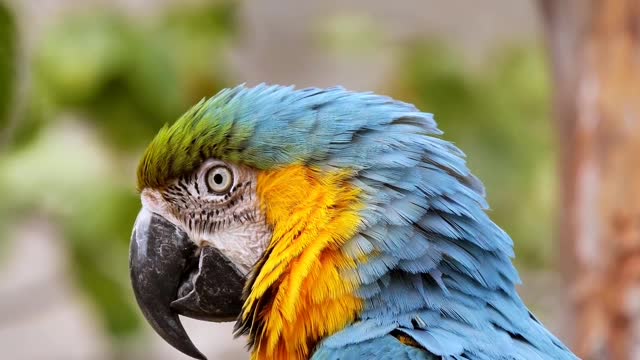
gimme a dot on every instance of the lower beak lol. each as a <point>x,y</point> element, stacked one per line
<point>171,276</point>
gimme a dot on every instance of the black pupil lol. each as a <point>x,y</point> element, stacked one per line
<point>217,178</point>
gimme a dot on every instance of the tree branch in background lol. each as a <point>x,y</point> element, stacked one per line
<point>595,55</point>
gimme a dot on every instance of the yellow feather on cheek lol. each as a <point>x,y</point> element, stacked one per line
<point>300,291</point>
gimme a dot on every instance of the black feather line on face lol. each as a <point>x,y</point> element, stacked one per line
<point>200,214</point>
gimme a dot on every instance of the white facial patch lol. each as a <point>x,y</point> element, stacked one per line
<point>243,244</point>
<point>231,221</point>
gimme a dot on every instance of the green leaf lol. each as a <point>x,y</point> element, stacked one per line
<point>8,66</point>
<point>82,55</point>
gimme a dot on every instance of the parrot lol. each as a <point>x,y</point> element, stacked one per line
<point>329,225</point>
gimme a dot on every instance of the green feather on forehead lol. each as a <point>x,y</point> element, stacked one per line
<point>207,130</point>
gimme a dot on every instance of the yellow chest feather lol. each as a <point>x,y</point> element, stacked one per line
<point>299,296</point>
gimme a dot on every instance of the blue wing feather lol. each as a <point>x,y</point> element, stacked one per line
<point>438,269</point>
<point>385,347</point>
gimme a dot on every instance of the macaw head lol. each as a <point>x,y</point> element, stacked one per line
<point>299,212</point>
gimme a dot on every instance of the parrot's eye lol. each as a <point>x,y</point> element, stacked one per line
<point>219,179</point>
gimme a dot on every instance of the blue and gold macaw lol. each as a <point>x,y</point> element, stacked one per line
<point>329,225</point>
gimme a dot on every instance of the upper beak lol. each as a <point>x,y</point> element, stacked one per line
<point>171,276</point>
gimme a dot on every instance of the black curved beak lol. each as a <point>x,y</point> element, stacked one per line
<point>171,276</point>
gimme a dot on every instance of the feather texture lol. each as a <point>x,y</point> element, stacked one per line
<point>429,272</point>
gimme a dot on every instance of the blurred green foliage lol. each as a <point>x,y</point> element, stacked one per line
<point>102,86</point>
<point>67,174</point>
<point>98,246</point>
<point>498,114</point>
<point>8,68</point>
<point>349,34</point>
<point>132,79</point>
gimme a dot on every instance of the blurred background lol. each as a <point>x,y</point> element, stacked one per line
<point>85,84</point>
